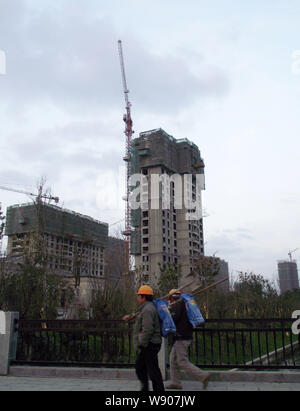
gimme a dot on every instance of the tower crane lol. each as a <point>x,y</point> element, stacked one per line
<point>39,196</point>
<point>128,132</point>
<point>2,226</point>
<point>291,252</point>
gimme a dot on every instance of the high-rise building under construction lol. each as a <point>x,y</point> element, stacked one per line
<point>288,275</point>
<point>163,233</point>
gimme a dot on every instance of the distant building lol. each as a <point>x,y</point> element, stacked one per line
<point>74,243</point>
<point>223,273</point>
<point>212,269</point>
<point>115,264</point>
<point>288,275</point>
<point>163,235</point>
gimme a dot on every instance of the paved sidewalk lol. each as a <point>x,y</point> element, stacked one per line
<point>10,383</point>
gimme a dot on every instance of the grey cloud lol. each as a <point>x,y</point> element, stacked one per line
<point>224,244</point>
<point>84,138</point>
<point>87,159</point>
<point>64,55</point>
<point>230,241</point>
<point>166,82</point>
<point>290,198</point>
<point>74,150</point>
<point>240,233</point>
<point>11,177</point>
<point>68,55</point>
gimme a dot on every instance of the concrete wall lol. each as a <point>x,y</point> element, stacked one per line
<point>8,340</point>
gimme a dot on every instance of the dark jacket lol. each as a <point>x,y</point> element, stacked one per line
<point>147,326</point>
<point>183,326</point>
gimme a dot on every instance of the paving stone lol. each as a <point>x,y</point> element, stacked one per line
<point>84,384</point>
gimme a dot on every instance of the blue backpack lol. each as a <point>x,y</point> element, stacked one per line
<point>166,320</point>
<point>194,314</point>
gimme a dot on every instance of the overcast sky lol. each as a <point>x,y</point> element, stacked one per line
<point>223,73</point>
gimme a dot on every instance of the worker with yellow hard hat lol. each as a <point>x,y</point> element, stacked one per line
<point>181,342</point>
<point>147,341</point>
<point>145,290</point>
<point>173,292</point>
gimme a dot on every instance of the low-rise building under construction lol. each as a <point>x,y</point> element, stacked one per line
<point>73,243</point>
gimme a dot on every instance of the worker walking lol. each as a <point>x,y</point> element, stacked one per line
<point>147,341</point>
<point>182,340</point>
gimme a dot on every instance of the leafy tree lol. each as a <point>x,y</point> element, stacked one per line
<point>253,294</point>
<point>27,285</point>
<point>28,288</point>
<point>111,302</point>
<point>288,303</point>
<point>205,269</point>
<point>169,279</point>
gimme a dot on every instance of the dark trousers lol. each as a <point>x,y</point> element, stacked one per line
<point>146,366</point>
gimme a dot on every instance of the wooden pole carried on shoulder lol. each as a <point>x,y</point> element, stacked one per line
<point>208,287</point>
<point>132,316</point>
<point>193,293</point>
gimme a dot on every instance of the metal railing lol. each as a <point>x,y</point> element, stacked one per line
<point>218,344</point>
<point>246,344</point>
<point>75,343</point>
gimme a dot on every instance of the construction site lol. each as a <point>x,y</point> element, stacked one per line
<point>77,245</point>
<point>74,243</point>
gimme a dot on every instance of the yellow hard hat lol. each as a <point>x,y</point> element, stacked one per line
<point>174,291</point>
<point>145,290</point>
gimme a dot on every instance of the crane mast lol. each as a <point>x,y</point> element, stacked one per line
<point>2,226</point>
<point>128,132</point>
